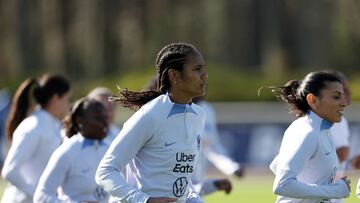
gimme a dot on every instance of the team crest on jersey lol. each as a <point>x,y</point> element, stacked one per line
<point>198,138</point>
<point>179,186</point>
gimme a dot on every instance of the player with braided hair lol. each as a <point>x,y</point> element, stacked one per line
<point>69,174</point>
<point>161,141</point>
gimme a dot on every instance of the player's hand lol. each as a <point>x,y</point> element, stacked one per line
<point>239,172</point>
<point>223,184</point>
<point>161,199</point>
<point>347,181</point>
<point>355,162</point>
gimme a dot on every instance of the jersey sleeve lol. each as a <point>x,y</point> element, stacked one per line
<point>52,177</point>
<point>193,195</point>
<point>134,135</point>
<point>289,164</point>
<point>22,147</point>
<point>214,150</point>
<point>205,187</point>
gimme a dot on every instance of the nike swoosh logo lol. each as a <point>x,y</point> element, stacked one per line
<point>327,153</point>
<point>169,144</point>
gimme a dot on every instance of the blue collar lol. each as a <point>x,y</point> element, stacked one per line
<point>181,108</point>
<point>91,142</point>
<point>324,124</point>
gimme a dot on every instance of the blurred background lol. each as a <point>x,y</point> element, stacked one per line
<point>246,44</point>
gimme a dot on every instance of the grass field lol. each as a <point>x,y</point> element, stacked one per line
<point>254,187</point>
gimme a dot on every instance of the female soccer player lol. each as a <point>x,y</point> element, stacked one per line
<point>306,165</point>
<point>162,139</point>
<point>34,138</point>
<point>102,94</point>
<point>71,168</point>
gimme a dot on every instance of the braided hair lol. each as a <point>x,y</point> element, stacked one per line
<point>172,56</point>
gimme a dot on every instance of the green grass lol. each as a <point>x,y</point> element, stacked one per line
<point>254,187</point>
<point>251,188</point>
<point>257,187</point>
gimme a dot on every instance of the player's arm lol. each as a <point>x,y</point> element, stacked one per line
<point>133,136</point>
<point>21,149</point>
<point>52,177</point>
<point>290,164</point>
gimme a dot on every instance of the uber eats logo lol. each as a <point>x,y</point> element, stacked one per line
<point>183,163</point>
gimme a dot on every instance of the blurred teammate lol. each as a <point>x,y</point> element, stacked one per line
<point>70,174</point>
<point>35,137</point>
<point>162,139</point>
<point>102,94</point>
<point>307,163</point>
<point>4,110</point>
<point>213,151</point>
<point>340,132</point>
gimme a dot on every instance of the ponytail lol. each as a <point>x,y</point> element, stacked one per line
<point>291,94</point>
<point>294,92</point>
<point>20,106</point>
<point>134,100</point>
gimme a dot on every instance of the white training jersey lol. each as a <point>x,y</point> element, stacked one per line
<point>162,140</point>
<point>34,140</point>
<point>306,165</point>
<point>70,174</point>
<point>111,134</point>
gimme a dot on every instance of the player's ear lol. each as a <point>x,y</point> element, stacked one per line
<point>173,76</point>
<point>313,101</point>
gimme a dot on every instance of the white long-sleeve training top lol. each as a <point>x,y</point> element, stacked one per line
<point>306,165</point>
<point>162,140</point>
<point>34,140</point>
<point>70,174</point>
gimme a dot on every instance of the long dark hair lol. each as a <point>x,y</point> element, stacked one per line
<point>294,92</point>
<point>41,90</point>
<point>172,56</point>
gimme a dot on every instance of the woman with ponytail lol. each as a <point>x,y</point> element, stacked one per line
<point>306,165</point>
<point>162,139</point>
<point>71,168</point>
<point>34,133</point>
